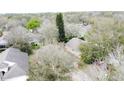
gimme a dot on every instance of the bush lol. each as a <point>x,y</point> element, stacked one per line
<point>17,35</point>
<point>49,32</point>
<point>73,29</point>
<point>33,24</point>
<point>115,61</point>
<point>35,45</point>
<point>67,38</point>
<point>106,38</point>
<point>11,23</point>
<point>91,53</point>
<point>51,62</point>
<point>82,38</point>
<point>25,48</point>
<point>3,21</point>
<point>101,43</point>
<point>60,26</point>
<point>40,72</point>
<point>121,39</point>
<point>18,38</point>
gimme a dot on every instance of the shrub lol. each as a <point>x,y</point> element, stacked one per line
<point>60,26</point>
<point>35,45</point>
<point>17,35</point>
<point>76,30</point>
<point>25,48</point>
<point>33,24</point>
<point>91,53</point>
<point>101,43</point>
<point>18,38</point>
<point>105,38</point>
<point>51,62</point>
<point>73,29</point>
<point>12,23</point>
<point>121,38</point>
<point>67,38</point>
<point>48,31</point>
<point>115,61</point>
<point>82,38</point>
<point>3,21</point>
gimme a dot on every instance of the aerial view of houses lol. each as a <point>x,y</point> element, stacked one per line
<point>72,46</point>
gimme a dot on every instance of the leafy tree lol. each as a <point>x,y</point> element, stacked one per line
<point>33,24</point>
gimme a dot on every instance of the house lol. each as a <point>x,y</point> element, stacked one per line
<point>13,64</point>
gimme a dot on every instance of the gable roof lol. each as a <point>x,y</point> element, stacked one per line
<point>14,63</point>
<point>13,55</point>
<point>17,57</point>
<point>14,72</point>
<point>4,67</point>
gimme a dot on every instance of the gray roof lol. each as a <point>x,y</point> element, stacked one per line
<point>3,65</point>
<point>14,72</point>
<point>18,59</point>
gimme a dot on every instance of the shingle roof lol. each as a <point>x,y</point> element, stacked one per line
<point>14,72</point>
<point>4,67</point>
<point>13,55</point>
<point>15,61</point>
<point>18,57</point>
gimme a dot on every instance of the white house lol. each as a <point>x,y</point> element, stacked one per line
<point>13,64</point>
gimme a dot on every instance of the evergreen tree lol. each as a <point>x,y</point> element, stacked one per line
<point>60,26</point>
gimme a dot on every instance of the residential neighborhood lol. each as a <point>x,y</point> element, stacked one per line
<point>65,46</point>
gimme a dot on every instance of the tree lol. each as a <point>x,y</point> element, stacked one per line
<point>33,24</point>
<point>60,26</point>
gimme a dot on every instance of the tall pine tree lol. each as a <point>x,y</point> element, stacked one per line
<point>60,26</point>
